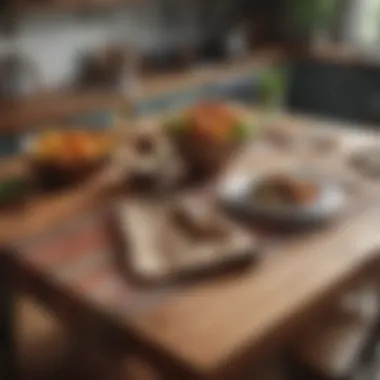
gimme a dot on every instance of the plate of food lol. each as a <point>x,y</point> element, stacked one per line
<point>62,157</point>
<point>206,135</point>
<point>291,199</point>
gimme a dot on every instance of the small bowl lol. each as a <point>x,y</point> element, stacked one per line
<point>52,175</point>
<point>203,157</point>
<point>55,174</point>
<point>203,150</point>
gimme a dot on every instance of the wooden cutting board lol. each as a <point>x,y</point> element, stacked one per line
<point>156,248</point>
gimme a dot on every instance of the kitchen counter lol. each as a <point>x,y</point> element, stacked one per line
<point>18,116</point>
<point>44,108</point>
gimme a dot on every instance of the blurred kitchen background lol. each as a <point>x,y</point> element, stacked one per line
<point>57,37</point>
<point>60,58</point>
<point>85,61</point>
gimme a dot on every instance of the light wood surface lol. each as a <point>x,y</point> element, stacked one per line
<point>43,211</point>
<point>239,318</point>
<point>26,114</point>
<point>215,328</point>
<point>333,345</point>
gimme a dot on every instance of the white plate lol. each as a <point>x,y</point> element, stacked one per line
<point>235,194</point>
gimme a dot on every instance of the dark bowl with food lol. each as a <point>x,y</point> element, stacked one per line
<point>202,156</point>
<point>14,192</point>
<point>55,175</point>
<point>206,136</point>
<point>60,159</point>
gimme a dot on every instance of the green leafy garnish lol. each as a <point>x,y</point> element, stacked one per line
<point>176,125</point>
<point>10,189</point>
<point>241,130</point>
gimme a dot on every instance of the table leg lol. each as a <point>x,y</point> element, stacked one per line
<point>99,359</point>
<point>131,366</point>
<point>99,350</point>
<point>8,367</point>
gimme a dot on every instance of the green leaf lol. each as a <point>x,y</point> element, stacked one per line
<point>241,130</point>
<point>176,125</point>
<point>272,86</point>
<point>13,188</point>
<point>310,14</point>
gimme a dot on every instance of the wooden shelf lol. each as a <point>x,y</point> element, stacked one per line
<point>18,115</point>
<point>21,115</point>
<point>21,6</point>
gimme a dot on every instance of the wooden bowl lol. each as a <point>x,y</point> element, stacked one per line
<point>55,173</point>
<point>207,134</point>
<point>202,156</point>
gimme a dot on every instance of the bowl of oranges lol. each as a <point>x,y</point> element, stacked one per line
<point>63,157</point>
<point>207,134</point>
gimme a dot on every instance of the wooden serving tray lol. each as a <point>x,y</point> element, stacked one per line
<point>156,249</point>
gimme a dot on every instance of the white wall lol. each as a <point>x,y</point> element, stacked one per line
<point>362,26</point>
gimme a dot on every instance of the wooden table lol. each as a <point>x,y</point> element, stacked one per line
<point>209,330</point>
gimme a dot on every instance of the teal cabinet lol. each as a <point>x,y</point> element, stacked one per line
<point>321,89</point>
<point>348,92</point>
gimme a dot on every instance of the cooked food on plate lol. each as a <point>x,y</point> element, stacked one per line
<point>289,199</point>
<point>212,121</point>
<point>282,190</point>
<point>64,157</point>
<point>70,147</point>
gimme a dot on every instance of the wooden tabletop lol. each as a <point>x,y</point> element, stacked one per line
<point>220,327</point>
<point>217,327</point>
<point>24,114</point>
<point>43,211</point>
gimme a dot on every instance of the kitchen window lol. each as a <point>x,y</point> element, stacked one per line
<point>363,23</point>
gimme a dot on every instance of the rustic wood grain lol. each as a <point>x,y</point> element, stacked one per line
<point>21,115</point>
<point>216,328</point>
<point>240,316</point>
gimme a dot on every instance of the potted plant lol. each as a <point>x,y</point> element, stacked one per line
<point>306,18</point>
<point>272,88</point>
